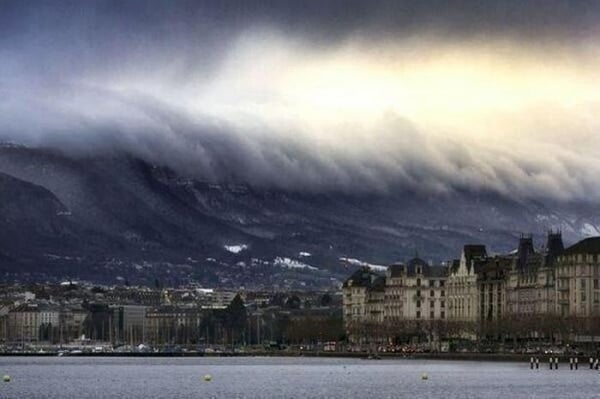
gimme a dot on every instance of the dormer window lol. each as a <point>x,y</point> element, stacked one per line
<point>418,269</point>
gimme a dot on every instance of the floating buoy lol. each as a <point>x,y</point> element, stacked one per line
<point>6,378</point>
<point>424,376</point>
<point>207,378</point>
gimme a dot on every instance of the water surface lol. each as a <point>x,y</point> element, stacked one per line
<point>87,377</point>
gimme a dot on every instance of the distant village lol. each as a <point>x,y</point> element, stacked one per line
<point>531,300</point>
<point>80,318</point>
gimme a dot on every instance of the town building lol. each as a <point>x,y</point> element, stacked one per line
<point>411,292</point>
<point>530,288</point>
<point>33,322</point>
<point>462,289</point>
<point>128,323</point>
<point>415,291</point>
<point>578,279</point>
<point>363,297</point>
<point>168,324</point>
<point>491,285</point>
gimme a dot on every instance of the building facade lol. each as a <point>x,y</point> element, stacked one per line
<point>491,286</point>
<point>33,322</point>
<point>578,279</point>
<point>363,297</point>
<point>531,286</point>
<point>414,292</point>
<point>479,288</point>
<point>463,295</point>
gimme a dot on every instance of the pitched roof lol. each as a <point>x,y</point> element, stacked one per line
<point>437,271</point>
<point>363,277</point>
<point>414,262</point>
<point>525,252</point>
<point>378,284</point>
<point>554,248</point>
<point>472,251</point>
<point>589,245</point>
<point>454,265</point>
<point>397,269</point>
<point>494,267</point>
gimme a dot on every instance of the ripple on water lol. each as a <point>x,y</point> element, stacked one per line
<point>80,377</point>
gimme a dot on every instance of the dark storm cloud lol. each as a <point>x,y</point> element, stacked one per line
<point>55,38</point>
<point>106,25</point>
<point>74,75</point>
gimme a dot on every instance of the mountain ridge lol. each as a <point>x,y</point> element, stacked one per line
<point>120,210</point>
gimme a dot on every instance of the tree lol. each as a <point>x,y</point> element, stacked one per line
<point>235,318</point>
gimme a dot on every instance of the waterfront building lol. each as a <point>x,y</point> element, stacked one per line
<point>476,290</point>
<point>415,291</point>
<point>72,322</point>
<point>375,305</point>
<point>169,324</point>
<point>33,322</point>
<point>578,279</point>
<point>363,297</point>
<point>491,285</point>
<point>531,280</point>
<point>463,295</point>
<point>128,323</point>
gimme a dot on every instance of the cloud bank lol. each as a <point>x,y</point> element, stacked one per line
<point>339,96</point>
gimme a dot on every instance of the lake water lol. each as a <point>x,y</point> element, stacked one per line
<point>81,377</point>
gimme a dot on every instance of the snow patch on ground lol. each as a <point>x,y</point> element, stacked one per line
<point>589,230</point>
<point>292,264</point>
<point>236,249</point>
<point>358,262</point>
<point>304,254</point>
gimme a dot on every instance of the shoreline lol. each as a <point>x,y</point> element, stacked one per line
<point>497,357</point>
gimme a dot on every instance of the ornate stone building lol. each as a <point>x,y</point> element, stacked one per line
<point>415,291</point>
<point>479,288</point>
<point>491,285</point>
<point>363,297</point>
<point>412,292</point>
<point>463,295</point>
<point>578,279</point>
<point>531,281</point>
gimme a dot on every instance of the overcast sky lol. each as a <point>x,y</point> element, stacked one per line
<point>316,95</point>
